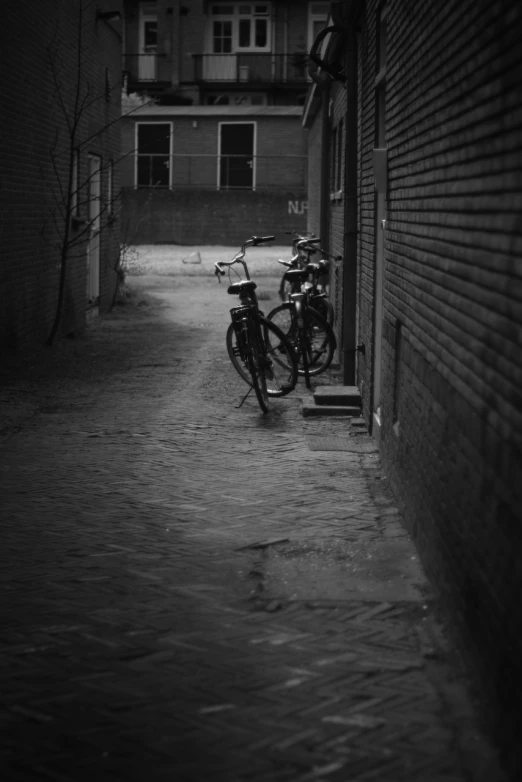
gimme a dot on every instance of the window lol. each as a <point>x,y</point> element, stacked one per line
<point>317,18</point>
<point>337,161</point>
<point>154,140</point>
<point>247,27</point>
<point>150,33</point>
<point>222,37</point>
<point>236,99</point>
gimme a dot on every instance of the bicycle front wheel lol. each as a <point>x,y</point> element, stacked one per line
<point>258,380</point>
<point>316,338</point>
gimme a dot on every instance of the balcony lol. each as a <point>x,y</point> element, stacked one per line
<point>258,69</point>
<point>146,71</point>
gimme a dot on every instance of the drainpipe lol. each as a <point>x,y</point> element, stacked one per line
<point>324,210</point>
<point>350,214</point>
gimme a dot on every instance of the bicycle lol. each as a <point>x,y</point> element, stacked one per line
<point>302,249</point>
<point>259,351</point>
<point>311,335</point>
<point>314,288</point>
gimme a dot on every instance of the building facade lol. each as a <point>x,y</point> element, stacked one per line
<point>208,175</point>
<point>222,85</point>
<point>60,148</point>
<point>421,193</point>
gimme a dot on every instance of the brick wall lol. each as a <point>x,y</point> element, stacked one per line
<point>337,205</point>
<point>34,161</point>
<point>452,425</point>
<point>199,217</point>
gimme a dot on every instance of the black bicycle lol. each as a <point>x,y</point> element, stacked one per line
<point>311,335</point>
<point>259,351</point>
<point>315,285</point>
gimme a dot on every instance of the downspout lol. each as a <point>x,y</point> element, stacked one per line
<point>350,214</point>
<point>324,211</point>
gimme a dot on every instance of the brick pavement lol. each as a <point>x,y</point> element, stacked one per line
<point>189,592</point>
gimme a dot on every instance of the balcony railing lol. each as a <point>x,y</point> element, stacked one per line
<point>251,68</point>
<point>223,172</point>
<point>145,68</point>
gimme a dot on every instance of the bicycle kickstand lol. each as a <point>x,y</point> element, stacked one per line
<point>244,398</point>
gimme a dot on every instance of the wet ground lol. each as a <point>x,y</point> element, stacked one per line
<point>190,591</point>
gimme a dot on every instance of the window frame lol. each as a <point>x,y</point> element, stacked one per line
<point>235,18</point>
<point>338,141</point>
<point>316,17</point>
<point>137,152</point>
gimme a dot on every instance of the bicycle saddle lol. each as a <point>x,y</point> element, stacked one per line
<point>296,275</point>
<point>241,287</point>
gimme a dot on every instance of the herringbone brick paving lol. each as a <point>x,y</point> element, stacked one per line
<point>189,592</point>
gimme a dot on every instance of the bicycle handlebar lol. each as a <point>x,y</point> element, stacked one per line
<point>239,258</point>
<point>260,239</point>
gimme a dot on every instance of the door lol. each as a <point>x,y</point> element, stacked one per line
<point>93,244</point>
<point>236,156</point>
<point>148,43</point>
<point>380,215</point>
<point>221,64</point>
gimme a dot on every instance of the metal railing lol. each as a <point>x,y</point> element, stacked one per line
<point>145,67</point>
<point>225,172</point>
<point>244,68</point>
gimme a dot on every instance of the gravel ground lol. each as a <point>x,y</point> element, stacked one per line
<point>174,260</point>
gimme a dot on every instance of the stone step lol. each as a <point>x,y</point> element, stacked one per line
<point>322,409</point>
<point>349,396</point>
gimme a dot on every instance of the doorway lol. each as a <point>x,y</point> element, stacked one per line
<point>148,45</point>
<point>380,215</point>
<point>236,156</point>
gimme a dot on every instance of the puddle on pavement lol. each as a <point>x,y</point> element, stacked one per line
<point>377,570</point>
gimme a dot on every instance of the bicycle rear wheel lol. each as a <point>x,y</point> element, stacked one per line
<point>285,289</point>
<point>278,357</point>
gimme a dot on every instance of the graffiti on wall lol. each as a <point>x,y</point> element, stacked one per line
<point>297,207</point>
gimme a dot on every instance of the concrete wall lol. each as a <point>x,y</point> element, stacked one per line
<point>199,217</point>
<point>34,162</point>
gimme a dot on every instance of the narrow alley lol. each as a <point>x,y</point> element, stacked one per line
<point>192,591</point>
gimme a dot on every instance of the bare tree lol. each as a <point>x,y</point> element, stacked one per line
<point>71,216</point>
